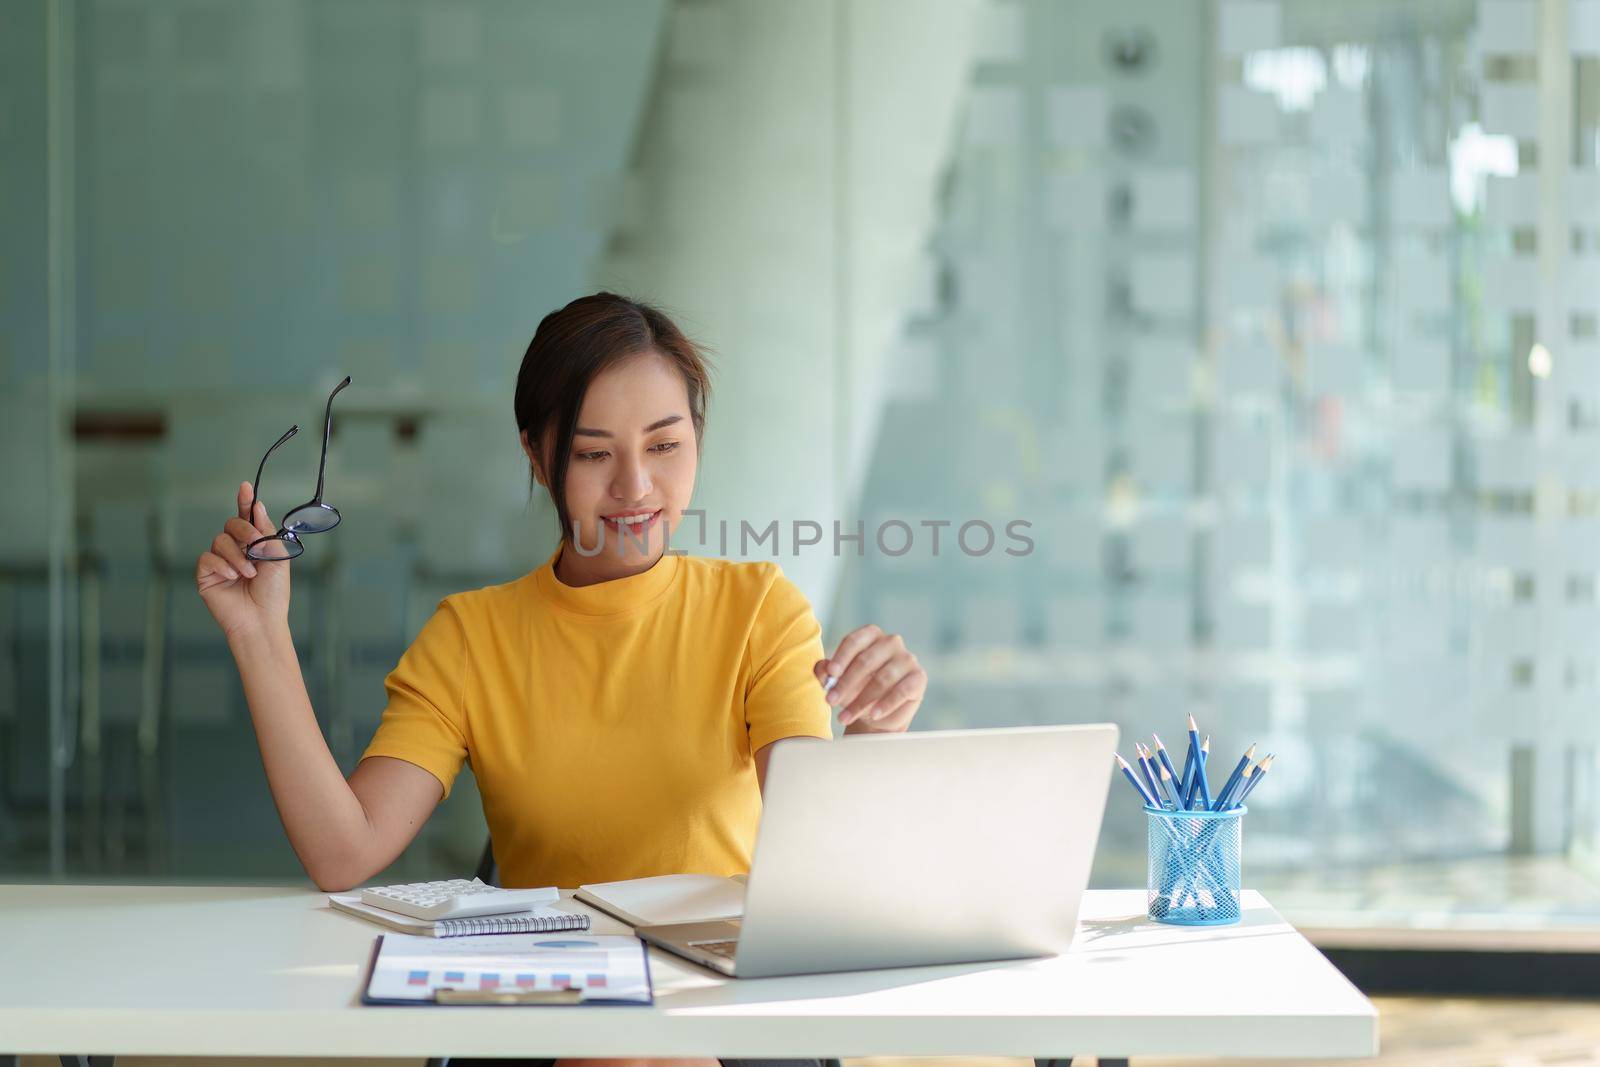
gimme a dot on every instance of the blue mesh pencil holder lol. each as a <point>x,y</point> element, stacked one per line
<point>1194,866</point>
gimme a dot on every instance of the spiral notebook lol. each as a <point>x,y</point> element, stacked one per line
<point>536,921</point>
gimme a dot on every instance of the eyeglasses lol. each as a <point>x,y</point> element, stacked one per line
<point>311,517</point>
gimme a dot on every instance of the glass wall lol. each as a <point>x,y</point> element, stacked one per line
<point>1261,332</point>
<point>1278,319</point>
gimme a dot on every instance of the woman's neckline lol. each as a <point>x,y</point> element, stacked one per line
<point>613,597</point>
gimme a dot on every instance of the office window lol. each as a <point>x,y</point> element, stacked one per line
<point>1272,322</point>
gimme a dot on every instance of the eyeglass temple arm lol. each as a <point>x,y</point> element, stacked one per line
<point>255,486</point>
<point>327,429</point>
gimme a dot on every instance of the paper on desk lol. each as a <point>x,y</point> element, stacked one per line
<point>602,967</point>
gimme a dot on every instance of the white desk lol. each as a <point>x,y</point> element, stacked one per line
<point>238,971</point>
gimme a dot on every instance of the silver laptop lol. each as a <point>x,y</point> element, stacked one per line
<point>902,849</point>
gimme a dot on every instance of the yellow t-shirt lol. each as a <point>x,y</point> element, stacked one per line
<point>612,727</point>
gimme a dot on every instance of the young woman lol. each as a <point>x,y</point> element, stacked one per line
<point>618,704</point>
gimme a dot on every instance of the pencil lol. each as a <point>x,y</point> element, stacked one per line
<point>1261,772</point>
<point>1160,775</point>
<point>1149,775</point>
<point>1193,791</point>
<point>1233,779</point>
<point>1177,798</point>
<point>1127,772</point>
<point>1244,783</point>
<point>1186,780</point>
<point>1166,765</point>
<point>1197,785</point>
<point>1191,752</point>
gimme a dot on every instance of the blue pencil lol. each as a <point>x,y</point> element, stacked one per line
<point>1233,779</point>
<point>1194,779</point>
<point>1188,765</point>
<point>1166,765</point>
<point>1159,773</point>
<point>1244,783</point>
<point>1261,772</point>
<point>1149,775</point>
<point>1205,761</point>
<point>1127,772</point>
<point>1170,784</point>
<point>1199,786</point>
<point>1186,781</point>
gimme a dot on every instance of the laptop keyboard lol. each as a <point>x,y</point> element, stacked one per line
<point>717,948</point>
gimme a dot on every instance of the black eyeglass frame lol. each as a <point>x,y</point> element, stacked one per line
<point>309,518</point>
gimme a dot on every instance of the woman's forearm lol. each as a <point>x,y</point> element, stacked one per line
<point>326,823</point>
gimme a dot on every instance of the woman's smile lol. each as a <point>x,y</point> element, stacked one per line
<point>632,522</point>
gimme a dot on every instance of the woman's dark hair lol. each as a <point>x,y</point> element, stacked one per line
<point>569,349</point>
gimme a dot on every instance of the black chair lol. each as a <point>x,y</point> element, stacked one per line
<point>488,871</point>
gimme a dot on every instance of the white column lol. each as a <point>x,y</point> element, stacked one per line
<point>785,176</point>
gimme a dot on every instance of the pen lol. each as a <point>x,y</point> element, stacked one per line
<point>1261,772</point>
<point>1127,772</point>
<point>1170,771</point>
<point>829,684</point>
<point>1233,779</point>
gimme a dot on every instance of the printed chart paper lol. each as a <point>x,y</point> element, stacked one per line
<point>600,967</point>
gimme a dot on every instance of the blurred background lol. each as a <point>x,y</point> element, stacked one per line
<point>1276,319</point>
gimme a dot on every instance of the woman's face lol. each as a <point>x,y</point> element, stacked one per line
<point>632,467</point>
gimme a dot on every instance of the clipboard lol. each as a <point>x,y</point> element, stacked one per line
<point>442,991</point>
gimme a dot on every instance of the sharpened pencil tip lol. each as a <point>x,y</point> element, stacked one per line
<point>1192,726</point>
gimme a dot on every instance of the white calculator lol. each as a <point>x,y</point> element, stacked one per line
<point>455,898</point>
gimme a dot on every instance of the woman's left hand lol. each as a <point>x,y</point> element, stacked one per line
<point>880,685</point>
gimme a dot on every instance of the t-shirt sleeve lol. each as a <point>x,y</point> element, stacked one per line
<point>783,698</point>
<point>425,721</point>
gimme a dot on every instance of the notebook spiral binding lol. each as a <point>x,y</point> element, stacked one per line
<point>511,924</point>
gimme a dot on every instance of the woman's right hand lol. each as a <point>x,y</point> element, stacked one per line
<point>243,595</point>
